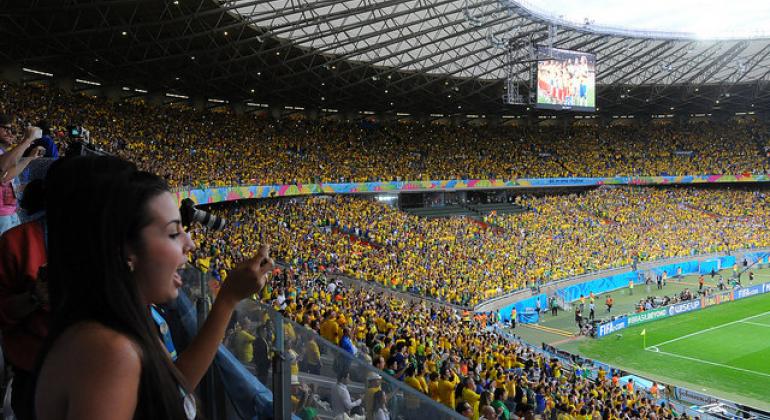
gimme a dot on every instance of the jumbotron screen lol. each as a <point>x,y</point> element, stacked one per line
<point>566,79</point>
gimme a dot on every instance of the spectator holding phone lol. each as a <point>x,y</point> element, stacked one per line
<point>13,160</point>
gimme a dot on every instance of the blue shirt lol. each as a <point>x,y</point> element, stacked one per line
<point>51,150</point>
<point>347,345</point>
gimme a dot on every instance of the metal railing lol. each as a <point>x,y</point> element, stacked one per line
<point>301,368</point>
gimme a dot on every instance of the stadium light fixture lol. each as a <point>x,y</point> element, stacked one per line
<point>124,33</point>
<point>41,73</point>
<point>176,2</point>
<point>226,33</point>
<point>87,82</point>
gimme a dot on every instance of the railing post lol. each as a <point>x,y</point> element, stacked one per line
<point>281,372</point>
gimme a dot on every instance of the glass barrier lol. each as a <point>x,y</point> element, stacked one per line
<point>320,373</point>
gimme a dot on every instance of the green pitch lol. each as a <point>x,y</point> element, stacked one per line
<point>723,350</point>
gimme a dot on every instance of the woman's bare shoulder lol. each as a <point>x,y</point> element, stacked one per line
<point>89,359</point>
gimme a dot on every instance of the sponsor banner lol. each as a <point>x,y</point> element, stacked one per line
<point>681,308</point>
<point>692,397</point>
<point>612,326</point>
<point>209,195</point>
<point>717,299</point>
<point>750,291</point>
<point>562,182</point>
<point>647,316</point>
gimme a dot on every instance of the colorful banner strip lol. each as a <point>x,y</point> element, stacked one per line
<point>219,194</point>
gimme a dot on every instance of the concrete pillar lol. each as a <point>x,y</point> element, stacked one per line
<point>239,108</point>
<point>112,93</point>
<point>11,72</point>
<point>276,112</point>
<point>156,99</point>
<point>198,103</point>
<point>64,83</point>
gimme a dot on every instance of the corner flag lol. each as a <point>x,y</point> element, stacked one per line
<point>644,338</point>
<point>644,332</point>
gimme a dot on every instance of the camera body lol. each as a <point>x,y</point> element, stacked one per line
<point>78,132</point>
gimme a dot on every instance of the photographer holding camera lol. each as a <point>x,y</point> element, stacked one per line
<point>13,160</point>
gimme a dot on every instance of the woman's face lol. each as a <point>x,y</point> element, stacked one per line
<point>163,251</point>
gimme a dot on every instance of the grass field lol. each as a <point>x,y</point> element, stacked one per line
<point>559,328</point>
<point>722,350</point>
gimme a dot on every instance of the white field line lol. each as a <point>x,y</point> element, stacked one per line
<point>756,323</point>
<point>693,359</point>
<point>710,329</point>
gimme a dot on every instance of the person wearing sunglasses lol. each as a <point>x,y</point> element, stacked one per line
<point>12,162</point>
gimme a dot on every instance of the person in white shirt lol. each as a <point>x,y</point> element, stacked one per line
<point>331,287</point>
<point>381,406</point>
<point>341,401</point>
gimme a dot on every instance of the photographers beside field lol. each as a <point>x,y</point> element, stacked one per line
<point>652,302</point>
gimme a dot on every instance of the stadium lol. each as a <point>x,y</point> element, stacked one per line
<point>407,209</point>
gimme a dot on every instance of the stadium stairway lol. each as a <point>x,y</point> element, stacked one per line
<point>485,225</point>
<point>498,208</point>
<point>706,212</point>
<point>357,238</point>
<point>445,211</point>
<point>602,219</point>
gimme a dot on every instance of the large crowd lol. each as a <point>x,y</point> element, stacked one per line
<point>454,357</point>
<point>448,354</point>
<point>218,147</point>
<point>459,261</point>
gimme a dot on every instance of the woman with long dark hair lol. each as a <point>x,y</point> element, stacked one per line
<point>115,243</point>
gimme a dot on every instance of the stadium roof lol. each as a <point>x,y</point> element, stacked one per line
<point>420,56</point>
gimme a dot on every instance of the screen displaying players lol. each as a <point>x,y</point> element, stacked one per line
<point>566,79</point>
